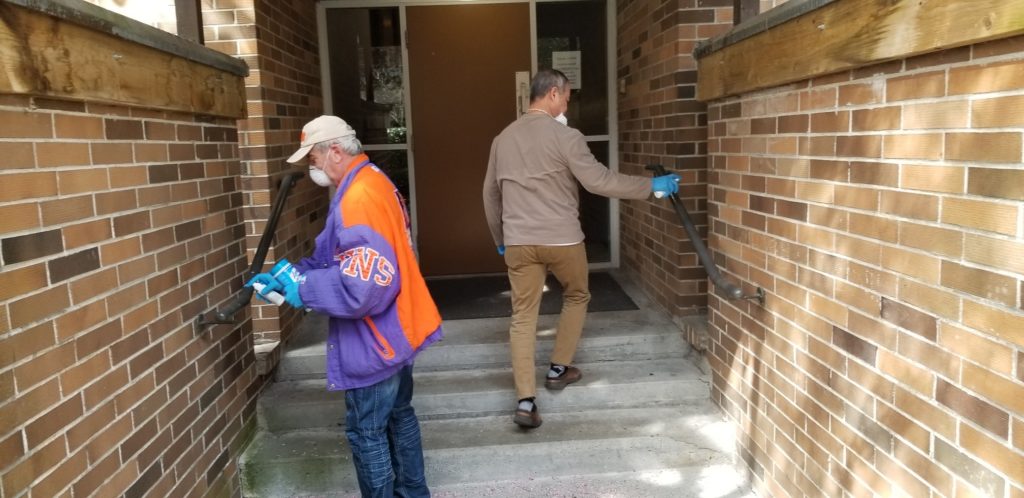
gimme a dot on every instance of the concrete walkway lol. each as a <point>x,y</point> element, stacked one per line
<point>639,424</point>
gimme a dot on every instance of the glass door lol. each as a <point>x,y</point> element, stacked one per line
<point>367,84</point>
<point>572,37</point>
<point>366,65</point>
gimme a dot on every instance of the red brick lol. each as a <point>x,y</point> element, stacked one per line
<point>1004,392</point>
<point>932,178</point>
<point>876,119</point>
<point>996,147</point>
<point>39,306</point>
<point>30,404</point>
<point>25,124</point>
<point>974,346</point>
<point>979,282</point>
<point>919,379</point>
<point>940,302</point>
<point>935,240</point>
<point>995,321</point>
<point>911,263</point>
<point>973,408</point>
<point>53,421</point>
<point>860,94</point>
<point>995,453</point>
<point>41,460</point>
<point>1000,112</point>
<point>62,154</point>
<point>951,114</point>
<point>932,357</point>
<point>63,475</point>
<point>986,78</point>
<point>909,318</point>
<point>66,209</point>
<point>918,86</point>
<point>913,146</point>
<point>16,155</point>
<point>111,153</point>
<point>992,182</point>
<point>19,186</point>
<point>980,214</point>
<point>968,468</point>
<point>909,205</point>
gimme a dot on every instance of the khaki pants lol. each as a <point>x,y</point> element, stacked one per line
<point>527,269</point>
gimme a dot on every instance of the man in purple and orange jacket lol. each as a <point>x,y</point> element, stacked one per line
<point>363,274</point>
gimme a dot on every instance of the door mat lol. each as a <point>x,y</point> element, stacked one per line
<point>489,296</point>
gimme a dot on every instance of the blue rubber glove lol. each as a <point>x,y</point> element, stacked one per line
<point>289,278</point>
<point>501,250</point>
<point>269,284</point>
<point>665,185</point>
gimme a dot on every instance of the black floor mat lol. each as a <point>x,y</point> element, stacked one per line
<point>488,297</point>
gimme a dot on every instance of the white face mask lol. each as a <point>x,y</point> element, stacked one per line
<point>562,119</point>
<point>319,177</point>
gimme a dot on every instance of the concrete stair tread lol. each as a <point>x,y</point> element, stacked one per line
<point>641,446</point>
<point>639,335</point>
<point>685,422</point>
<point>492,379</point>
<point>309,340</point>
<point>307,404</point>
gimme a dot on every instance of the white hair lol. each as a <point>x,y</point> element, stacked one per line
<point>351,145</point>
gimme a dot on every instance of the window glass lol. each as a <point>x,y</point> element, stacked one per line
<point>571,38</point>
<point>367,89</point>
<point>594,215</point>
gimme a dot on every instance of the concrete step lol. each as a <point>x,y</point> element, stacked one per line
<point>483,343</point>
<point>305,404</point>
<point>661,451</point>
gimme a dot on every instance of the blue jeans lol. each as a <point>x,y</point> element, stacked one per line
<point>384,434</point>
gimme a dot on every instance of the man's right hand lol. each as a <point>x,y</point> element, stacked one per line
<point>270,284</point>
<point>665,185</point>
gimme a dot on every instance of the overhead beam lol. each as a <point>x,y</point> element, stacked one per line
<point>847,34</point>
<point>51,56</point>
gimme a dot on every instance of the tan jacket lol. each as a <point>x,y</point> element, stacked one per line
<point>530,191</point>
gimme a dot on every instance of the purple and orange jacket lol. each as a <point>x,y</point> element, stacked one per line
<point>363,274</point>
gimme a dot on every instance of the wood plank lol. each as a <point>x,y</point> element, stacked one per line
<point>847,34</point>
<point>44,55</point>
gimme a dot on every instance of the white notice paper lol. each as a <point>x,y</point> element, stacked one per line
<point>568,63</point>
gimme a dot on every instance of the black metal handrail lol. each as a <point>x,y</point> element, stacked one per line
<point>726,288</point>
<point>226,314</point>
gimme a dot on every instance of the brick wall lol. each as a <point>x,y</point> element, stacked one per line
<point>278,41</point>
<point>881,208</point>
<point>660,122</point>
<point>118,225</point>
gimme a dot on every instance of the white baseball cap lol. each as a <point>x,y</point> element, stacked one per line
<point>319,130</point>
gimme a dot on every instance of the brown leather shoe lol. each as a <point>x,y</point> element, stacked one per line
<point>527,419</point>
<point>570,375</point>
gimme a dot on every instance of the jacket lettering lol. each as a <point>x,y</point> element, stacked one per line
<point>366,262</point>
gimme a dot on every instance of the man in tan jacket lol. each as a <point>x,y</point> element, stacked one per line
<point>531,201</point>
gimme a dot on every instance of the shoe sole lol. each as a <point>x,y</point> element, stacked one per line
<point>526,422</point>
<point>557,385</point>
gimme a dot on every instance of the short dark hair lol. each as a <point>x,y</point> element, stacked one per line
<point>545,80</point>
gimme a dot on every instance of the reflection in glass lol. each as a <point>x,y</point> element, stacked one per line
<point>365,53</point>
<point>594,215</point>
<point>396,164</point>
<point>578,26</point>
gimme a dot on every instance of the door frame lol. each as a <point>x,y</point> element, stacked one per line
<point>410,133</point>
